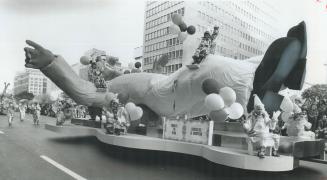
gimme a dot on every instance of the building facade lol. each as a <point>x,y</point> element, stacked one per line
<point>32,81</point>
<point>246,28</point>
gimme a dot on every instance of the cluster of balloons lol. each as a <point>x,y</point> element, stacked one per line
<point>179,27</point>
<point>86,60</point>
<point>135,112</point>
<point>221,101</point>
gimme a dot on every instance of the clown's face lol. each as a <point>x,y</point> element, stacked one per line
<point>258,109</point>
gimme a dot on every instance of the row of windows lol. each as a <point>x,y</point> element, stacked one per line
<point>168,69</point>
<point>171,55</point>
<point>255,19</point>
<point>161,7</point>
<point>172,68</point>
<point>162,44</point>
<point>151,59</point>
<point>175,54</point>
<point>250,49</point>
<point>155,46</point>
<point>255,8</point>
<point>211,6</point>
<point>163,19</point>
<point>227,27</point>
<point>236,20</point>
<point>156,34</point>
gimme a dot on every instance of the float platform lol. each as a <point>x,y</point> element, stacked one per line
<point>237,158</point>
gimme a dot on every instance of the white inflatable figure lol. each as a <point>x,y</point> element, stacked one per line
<point>257,126</point>
<point>297,124</point>
<point>181,92</point>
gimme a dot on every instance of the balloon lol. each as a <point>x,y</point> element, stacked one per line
<point>214,102</point>
<point>235,111</point>
<point>286,105</point>
<point>130,106</point>
<point>177,19</point>
<point>228,95</point>
<point>174,29</point>
<point>182,27</point>
<point>137,65</point>
<point>191,30</point>
<point>85,60</point>
<point>218,115</point>
<point>182,36</point>
<point>136,113</point>
<point>210,86</point>
<point>123,98</point>
<point>285,116</point>
<point>127,72</point>
<point>163,60</point>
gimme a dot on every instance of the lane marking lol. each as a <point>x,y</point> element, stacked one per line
<point>63,168</point>
<point>1,132</point>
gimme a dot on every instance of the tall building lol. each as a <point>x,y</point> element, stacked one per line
<point>246,28</point>
<point>32,81</point>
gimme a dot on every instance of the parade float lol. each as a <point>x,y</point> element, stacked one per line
<point>186,112</point>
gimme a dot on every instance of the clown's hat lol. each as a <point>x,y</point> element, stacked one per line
<point>257,101</point>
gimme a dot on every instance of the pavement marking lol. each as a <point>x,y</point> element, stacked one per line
<point>63,168</point>
<point>1,132</point>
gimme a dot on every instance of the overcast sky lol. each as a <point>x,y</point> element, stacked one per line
<point>70,27</point>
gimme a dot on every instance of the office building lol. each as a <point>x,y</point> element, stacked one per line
<point>246,28</point>
<point>33,81</point>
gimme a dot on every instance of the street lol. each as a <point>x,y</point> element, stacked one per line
<point>34,153</point>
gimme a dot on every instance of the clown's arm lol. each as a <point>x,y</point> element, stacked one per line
<point>81,91</point>
<point>58,71</point>
<point>215,33</point>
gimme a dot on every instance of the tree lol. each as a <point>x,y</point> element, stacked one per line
<point>43,99</point>
<point>315,103</point>
<point>24,95</point>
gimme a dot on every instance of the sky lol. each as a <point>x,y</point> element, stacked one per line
<point>71,27</point>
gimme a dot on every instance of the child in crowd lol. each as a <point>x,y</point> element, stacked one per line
<point>11,110</point>
<point>36,113</point>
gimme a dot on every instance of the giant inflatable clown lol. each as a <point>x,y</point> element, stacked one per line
<point>181,92</point>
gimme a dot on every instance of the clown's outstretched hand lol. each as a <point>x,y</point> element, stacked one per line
<point>38,57</point>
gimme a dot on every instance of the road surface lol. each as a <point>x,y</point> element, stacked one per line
<point>34,153</point>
